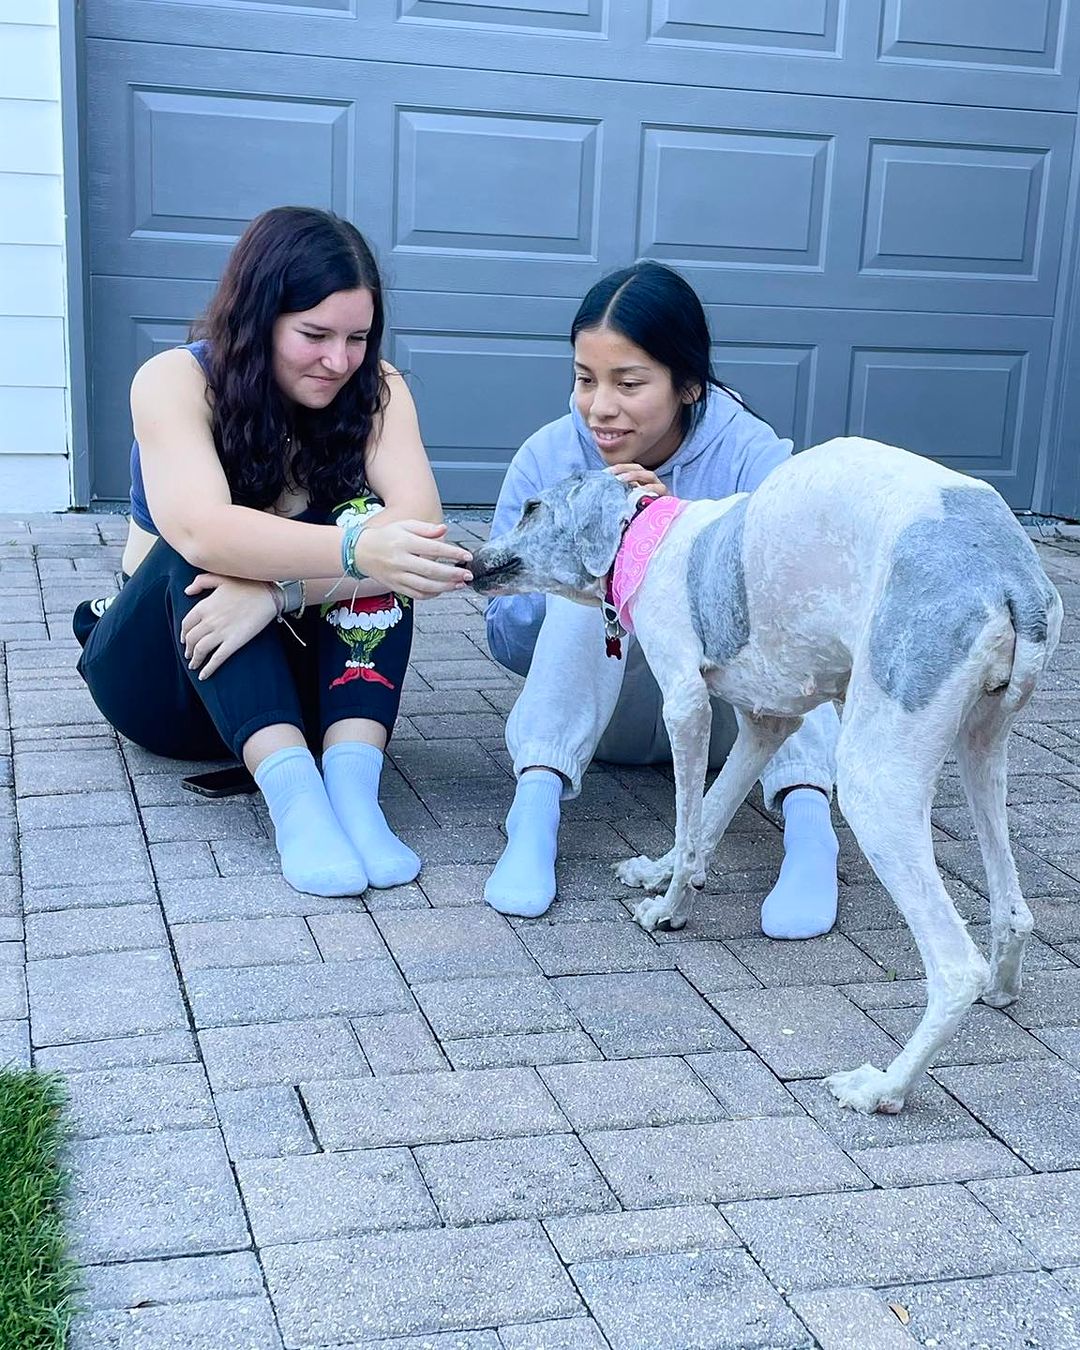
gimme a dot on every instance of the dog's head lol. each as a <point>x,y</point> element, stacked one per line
<point>564,543</point>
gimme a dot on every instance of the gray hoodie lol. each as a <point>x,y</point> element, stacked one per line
<point>728,450</point>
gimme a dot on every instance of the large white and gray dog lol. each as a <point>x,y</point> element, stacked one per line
<point>856,572</point>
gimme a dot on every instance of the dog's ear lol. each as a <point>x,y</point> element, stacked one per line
<point>599,505</point>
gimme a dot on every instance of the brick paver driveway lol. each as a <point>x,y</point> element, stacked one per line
<point>409,1122</point>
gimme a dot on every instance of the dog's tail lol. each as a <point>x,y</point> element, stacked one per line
<point>1036,613</point>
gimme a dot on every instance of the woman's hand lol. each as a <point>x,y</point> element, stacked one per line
<point>633,475</point>
<point>231,614</point>
<point>412,558</point>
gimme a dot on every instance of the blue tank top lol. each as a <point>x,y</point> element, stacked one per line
<point>140,512</point>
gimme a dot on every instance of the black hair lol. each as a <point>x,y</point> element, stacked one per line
<point>659,311</point>
<point>289,259</point>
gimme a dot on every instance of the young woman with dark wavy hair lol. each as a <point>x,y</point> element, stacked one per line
<point>278,474</point>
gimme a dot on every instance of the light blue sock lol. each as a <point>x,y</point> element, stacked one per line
<point>523,881</point>
<point>351,771</point>
<point>315,854</point>
<point>802,904</point>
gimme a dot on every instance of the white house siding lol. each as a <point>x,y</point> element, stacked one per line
<point>34,394</point>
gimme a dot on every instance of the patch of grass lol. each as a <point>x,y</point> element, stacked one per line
<point>37,1280</point>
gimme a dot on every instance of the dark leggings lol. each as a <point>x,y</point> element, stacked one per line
<point>134,665</point>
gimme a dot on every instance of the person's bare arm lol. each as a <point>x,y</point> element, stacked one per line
<point>189,498</point>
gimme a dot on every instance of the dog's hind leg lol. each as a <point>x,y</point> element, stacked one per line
<point>758,740</point>
<point>888,761</point>
<point>982,755</point>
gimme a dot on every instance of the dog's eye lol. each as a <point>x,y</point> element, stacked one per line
<point>530,506</point>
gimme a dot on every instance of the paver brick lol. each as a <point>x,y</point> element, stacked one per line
<point>999,1313</point>
<point>93,853</point>
<point>458,1009</point>
<point>282,1053</point>
<point>45,773</point>
<point>15,1044</point>
<point>225,1324</point>
<point>263,1122</point>
<point>724,1160</point>
<point>485,1180</point>
<point>1042,1211</point>
<point>402,1284</point>
<point>243,942</point>
<point>398,1043</point>
<point>280,992</point>
<point>138,1100</point>
<point>713,1300</point>
<point>1029,1104</point>
<point>346,937</point>
<point>618,1094</point>
<point>61,812</point>
<point>258,897</point>
<point>85,932</point>
<point>743,1085</point>
<point>572,1333</point>
<point>540,1047</point>
<point>644,1013</point>
<point>184,1279</point>
<point>945,1160</point>
<point>875,1237</point>
<point>169,1194</point>
<point>682,1228</point>
<point>448,944</point>
<point>432,1107</point>
<point>162,1047</point>
<point>851,1319</point>
<point>13,1004</point>
<point>86,998</point>
<point>804,1032</point>
<point>593,948</point>
<point>329,1195</point>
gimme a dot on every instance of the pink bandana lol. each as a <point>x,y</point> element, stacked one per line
<point>640,542</point>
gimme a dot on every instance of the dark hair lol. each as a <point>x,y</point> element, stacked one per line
<point>659,312</point>
<point>288,260</point>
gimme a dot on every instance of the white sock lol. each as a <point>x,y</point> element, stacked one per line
<point>351,771</point>
<point>802,904</point>
<point>523,881</point>
<point>316,856</point>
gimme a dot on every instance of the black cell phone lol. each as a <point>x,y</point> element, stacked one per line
<point>234,781</point>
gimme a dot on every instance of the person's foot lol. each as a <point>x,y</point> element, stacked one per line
<point>523,881</point>
<point>802,904</point>
<point>86,615</point>
<point>351,772</point>
<point>316,856</point>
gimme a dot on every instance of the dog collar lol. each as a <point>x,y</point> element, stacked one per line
<point>639,540</point>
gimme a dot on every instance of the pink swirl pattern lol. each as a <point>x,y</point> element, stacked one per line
<point>640,542</point>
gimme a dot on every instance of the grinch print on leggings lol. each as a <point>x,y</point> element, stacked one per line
<point>363,621</point>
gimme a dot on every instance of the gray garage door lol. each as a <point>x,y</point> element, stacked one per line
<point>872,198</point>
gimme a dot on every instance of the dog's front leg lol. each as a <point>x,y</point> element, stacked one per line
<point>688,718</point>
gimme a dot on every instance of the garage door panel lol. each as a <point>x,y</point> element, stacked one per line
<point>989,53</point>
<point>543,16</point>
<point>539,186</point>
<point>992,33</point>
<point>133,320</point>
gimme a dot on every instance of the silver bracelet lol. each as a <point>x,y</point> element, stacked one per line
<point>293,597</point>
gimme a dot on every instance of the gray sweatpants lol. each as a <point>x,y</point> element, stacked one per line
<point>578,704</point>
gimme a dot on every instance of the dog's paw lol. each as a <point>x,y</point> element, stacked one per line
<point>659,910</point>
<point>864,1091</point>
<point>1000,998</point>
<point>644,873</point>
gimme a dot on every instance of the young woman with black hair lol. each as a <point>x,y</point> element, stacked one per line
<point>278,473</point>
<point>647,406</point>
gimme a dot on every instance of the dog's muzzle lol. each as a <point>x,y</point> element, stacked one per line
<point>493,576</point>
